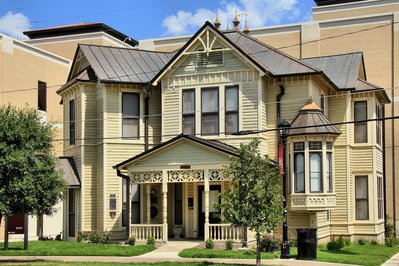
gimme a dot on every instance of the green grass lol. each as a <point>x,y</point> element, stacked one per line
<point>54,263</point>
<point>69,248</point>
<point>354,254</point>
<point>224,254</point>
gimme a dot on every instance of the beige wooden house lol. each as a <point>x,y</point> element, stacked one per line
<point>151,132</point>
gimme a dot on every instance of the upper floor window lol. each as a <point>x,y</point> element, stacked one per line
<point>231,109</point>
<point>130,115</point>
<point>379,115</point>
<point>72,115</point>
<point>360,127</point>
<point>308,164</point>
<point>362,199</point>
<point>210,111</point>
<point>42,96</point>
<point>188,114</point>
<point>322,103</point>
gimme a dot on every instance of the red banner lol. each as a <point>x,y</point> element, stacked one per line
<point>281,158</point>
<point>16,223</point>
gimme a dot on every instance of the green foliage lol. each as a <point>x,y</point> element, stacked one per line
<point>373,243</point>
<point>336,244</point>
<point>151,241</point>
<point>391,242</point>
<point>58,237</point>
<point>95,237</point>
<point>269,243</point>
<point>347,241</point>
<point>28,180</point>
<point>292,239</point>
<point>209,244</point>
<point>131,241</point>
<point>362,241</point>
<point>255,200</point>
<point>229,244</point>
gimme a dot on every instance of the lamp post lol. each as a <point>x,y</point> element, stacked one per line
<point>284,127</point>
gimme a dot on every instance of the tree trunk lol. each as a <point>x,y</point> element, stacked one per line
<point>6,232</point>
<point>258,263</point>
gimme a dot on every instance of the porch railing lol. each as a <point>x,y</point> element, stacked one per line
<point>223,232</point>
<point>144,231</point>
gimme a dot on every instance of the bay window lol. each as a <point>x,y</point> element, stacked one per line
<point>231,109</point>
<point>210,111</point>
<point>361,194</point>
<point>380,192</point>
<point>188,114</point>
<point>299,167</point>
<point>360,127</point>
<point>130,115</point>
<point>379,115</point>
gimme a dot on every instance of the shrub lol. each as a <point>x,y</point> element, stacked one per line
<point>373,243</point>
<point>389,229</point>
<point>209,244</point>
<point>347,241</point>
<point>336,244</point>
<point>131,241</point>
<point>269,243</point>
<point>229,244</point>
<point>151,241</point>
<point>292,239</point>
<point>58,237</point>
<point>391,242</point>
<point>362,241</point>
<point>95,237</point>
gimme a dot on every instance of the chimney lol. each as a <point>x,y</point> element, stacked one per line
<point>217,22</point>
<point>236,22</point>
<point>245,30</point>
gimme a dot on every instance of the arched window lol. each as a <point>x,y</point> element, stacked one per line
<point>299,167</point>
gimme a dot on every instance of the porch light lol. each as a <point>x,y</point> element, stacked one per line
<point>284,127</point>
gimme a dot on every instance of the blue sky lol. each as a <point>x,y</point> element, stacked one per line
<point>150,18</point>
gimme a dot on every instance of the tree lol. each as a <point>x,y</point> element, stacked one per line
<point>255,200</point>
<point>29,181</point>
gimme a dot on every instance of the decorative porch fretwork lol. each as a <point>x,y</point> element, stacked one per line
<point>185,176</point>
<point>218,175</point>
<point>147,177</point>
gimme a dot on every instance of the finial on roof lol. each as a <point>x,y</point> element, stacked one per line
<point>246,30</point>
<point>236,22</point>
<point>311,106</point>
<point>217,22</point>
<point>227,25</point>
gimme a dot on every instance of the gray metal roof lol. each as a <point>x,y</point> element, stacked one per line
<point>311,120</point>
<point>343,70</point>
<point>124,65</point>
<point>67,166</point>
<point>276,62</point>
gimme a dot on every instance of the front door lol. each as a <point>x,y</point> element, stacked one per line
<point>214,214</point>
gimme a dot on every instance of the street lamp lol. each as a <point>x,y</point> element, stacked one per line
<point>283,129</point>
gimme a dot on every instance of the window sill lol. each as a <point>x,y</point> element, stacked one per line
<point>311,202</point>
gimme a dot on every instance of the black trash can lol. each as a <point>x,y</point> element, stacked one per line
<point>307,243</point>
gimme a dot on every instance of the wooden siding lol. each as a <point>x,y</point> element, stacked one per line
<point>362,159</point>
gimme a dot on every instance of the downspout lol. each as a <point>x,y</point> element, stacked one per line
<point>278,102</point>
<point>384,169</point>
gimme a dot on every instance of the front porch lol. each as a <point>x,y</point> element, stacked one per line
<point>173,189</point>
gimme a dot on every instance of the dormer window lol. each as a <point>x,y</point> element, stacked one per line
<point>213,58</point>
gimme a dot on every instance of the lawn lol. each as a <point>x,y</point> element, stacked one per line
<point>354,254</point>
<point>69,248</point>
<point>54,263</point>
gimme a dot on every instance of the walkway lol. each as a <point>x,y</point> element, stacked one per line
<point>167,252</point>
<point>394,261</point>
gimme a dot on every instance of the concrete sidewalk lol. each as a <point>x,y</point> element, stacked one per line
<point>394,261</point>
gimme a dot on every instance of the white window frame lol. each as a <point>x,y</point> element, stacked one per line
<point>140,140</point>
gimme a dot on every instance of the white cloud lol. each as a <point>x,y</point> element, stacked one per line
<point>14,24</point>
<point>259,13</point>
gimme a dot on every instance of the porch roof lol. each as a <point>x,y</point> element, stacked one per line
<point>67,166</point>
<point>213,144</point>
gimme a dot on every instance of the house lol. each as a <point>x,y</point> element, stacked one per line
<point>150,133</point>
<point>339,27</point>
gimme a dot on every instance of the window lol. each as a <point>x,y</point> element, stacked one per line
<point>71,213</point>
<point>299,167</point>
<point>188,116</point>
<point>322,105</point>
<point>72,122</point>
<point>178,204</point>
<point>231,105</point>
<point>210,111</point>
<point>379,115</point>
<point>360,127</point>
<point>362,202</point>
<point>380,197</point>
<point>130,115</point>
<point>135,203</point>
<point>329,167</point>
<point>42,96</point>
<point>315,166</point>
<point>213,58</point>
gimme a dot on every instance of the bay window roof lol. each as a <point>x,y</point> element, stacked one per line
<point>311,120</point>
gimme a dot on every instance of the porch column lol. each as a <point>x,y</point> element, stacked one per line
<point>206,190</point>
<point>165,206</point>
<point>148,186</point>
